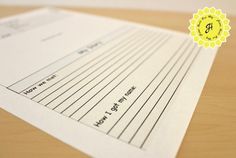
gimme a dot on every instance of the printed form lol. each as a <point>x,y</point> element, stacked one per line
<point>104,86</point>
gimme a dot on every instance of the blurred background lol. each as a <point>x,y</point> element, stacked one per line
<point>227,6</point>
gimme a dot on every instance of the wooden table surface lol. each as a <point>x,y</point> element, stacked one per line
<point>212,130</point>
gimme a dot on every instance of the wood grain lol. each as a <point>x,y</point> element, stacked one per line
<point>211,133</point>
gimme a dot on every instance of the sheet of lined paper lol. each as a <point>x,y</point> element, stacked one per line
<point>101,85</point>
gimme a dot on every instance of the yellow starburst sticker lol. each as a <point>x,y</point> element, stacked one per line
<point>209,27</point>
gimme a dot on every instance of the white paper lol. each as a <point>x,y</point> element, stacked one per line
<point>106,87</point>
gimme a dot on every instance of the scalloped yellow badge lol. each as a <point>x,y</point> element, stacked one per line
<point>209,27</point>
